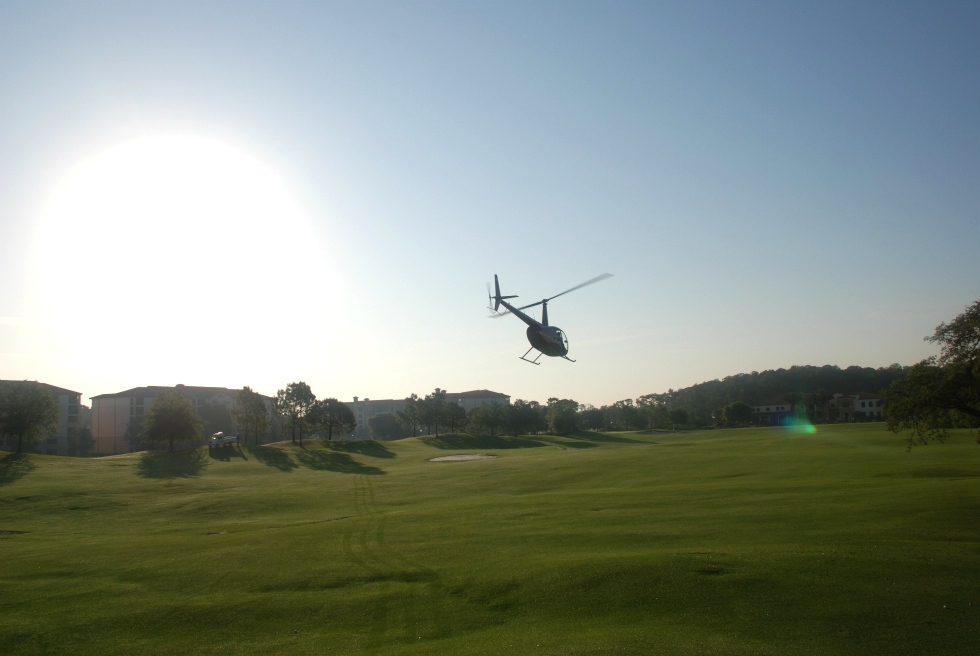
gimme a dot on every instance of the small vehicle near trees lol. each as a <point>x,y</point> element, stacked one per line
<point>220,439</point>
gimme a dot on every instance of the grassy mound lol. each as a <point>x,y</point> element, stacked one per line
<point>759,541</point>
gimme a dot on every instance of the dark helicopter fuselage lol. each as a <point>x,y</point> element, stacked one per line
<point>550,340</point>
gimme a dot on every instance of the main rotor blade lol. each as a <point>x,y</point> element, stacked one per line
<point>584,284</point>
<point>524,307</point>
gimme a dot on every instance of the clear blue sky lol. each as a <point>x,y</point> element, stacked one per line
<point>771,183</point>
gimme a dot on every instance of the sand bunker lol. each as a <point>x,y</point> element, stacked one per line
<point>468,456</point>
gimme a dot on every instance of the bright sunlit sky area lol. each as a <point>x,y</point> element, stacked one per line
<point>242,193</point>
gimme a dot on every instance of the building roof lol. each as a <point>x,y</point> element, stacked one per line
<point>156,390</point>
<point>772,402</point>
<point>475,394</point>
<point>472,394</point>
<point>53,388</point>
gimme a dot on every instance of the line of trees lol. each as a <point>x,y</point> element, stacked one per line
<point>724,402</point>
<point>433,414</point>
<point>302,412</point>
<point>172,418</point>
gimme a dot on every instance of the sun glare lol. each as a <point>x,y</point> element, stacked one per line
<point>180,259</point>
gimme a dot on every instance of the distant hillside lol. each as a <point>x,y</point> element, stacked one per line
<point>797,382</point>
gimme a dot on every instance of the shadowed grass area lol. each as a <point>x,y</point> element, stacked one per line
<point>14,466</point>
<point>177,464</point>
<point>317,456</point>
<point>596,436</point>
<point>227,452</point>
<point>459,441</point>
<point>369,448</point>
<point>746,541</point>
<point>274,457</point>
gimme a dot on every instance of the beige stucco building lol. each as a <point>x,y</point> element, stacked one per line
<point>112,414</point>
<point>69,409</point>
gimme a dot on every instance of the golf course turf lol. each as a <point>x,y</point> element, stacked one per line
<point>740,541</point>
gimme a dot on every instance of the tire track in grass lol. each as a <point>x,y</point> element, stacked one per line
<point>412,603</point>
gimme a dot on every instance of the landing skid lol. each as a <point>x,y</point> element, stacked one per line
<point>535,360</point>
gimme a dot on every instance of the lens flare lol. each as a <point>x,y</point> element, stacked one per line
<point>799,426</point>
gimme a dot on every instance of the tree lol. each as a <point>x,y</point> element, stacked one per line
<point>134,433</point>
<point>293,403</point>
<point>592,418</point>
<point>455,417</point>
<point>941,392</point>
<point>28,412</point>
<point>524,417</point>
<point>737,414</point>
<point>331,415</point>
<point>655,409</point>
<point>250,413</point>
<point>408,416</point>
<point>385,426</point>
<point>625,415</point>
<point>562,416</point>
<point>432,410</point>
<point>170,419</point>
<point>488,415</point>
<point>678,417</point>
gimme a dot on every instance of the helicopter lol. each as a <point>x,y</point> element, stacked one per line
<point>548,340</point>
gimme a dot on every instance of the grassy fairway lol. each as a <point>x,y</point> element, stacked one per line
<point>721,542</point>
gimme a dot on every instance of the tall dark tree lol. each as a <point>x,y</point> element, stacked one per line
<point>562,416</point>
<point>524,417</point>
<point>625,415</point>
<point>455,417</point>
<point>655,409</point>
<point>28,412</point>
<point>134,434</point>
<point>171,419</point>
<point>293,404</point>
<point>331,416</point>
<point>490,416</point>
<point>678,417</point>
<point>737,414</point>
<point>592,418</point>
<point>250,413</point>
<point>941,392</point>
<point>408,416</point>
<point>432,410</point>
